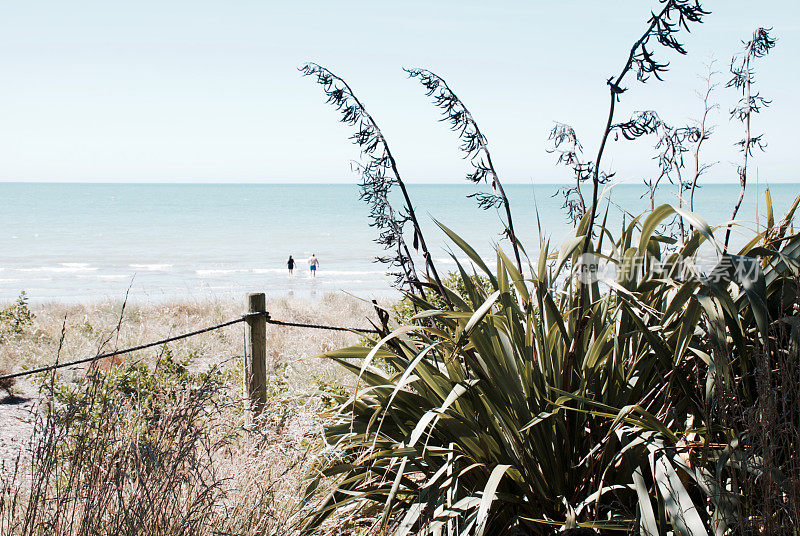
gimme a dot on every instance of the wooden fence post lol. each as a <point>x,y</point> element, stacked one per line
<point>255,362</point>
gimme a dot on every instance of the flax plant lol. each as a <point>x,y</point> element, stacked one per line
<point>613,390</point>
<point>467,426</point>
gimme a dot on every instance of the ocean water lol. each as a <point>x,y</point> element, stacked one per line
<point>76,242</point>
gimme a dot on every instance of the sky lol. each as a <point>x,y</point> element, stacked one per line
<point>200,91</point>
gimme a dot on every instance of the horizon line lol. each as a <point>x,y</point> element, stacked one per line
<point>336,182</point>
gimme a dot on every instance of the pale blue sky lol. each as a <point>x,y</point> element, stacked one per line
<point>208,91</point>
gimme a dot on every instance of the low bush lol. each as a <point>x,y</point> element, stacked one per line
<point>15,318</point>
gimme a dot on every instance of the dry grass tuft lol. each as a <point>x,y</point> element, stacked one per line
<point>171,464</point>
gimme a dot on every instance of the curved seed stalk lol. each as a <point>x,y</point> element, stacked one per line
<point>379,174</point>
<point>474,144</point>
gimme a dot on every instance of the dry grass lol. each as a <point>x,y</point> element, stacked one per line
<point>769,439</point>
<point>178,464</point>
<point>94,328</point>
<point>88,469</point>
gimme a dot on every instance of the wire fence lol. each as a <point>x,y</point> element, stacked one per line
<point>161,342</point>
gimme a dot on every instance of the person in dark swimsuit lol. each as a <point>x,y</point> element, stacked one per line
<point>290,265</point>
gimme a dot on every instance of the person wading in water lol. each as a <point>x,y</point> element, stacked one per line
<point>313,262</point>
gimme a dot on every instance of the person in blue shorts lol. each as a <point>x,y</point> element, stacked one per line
<point>313,262</point>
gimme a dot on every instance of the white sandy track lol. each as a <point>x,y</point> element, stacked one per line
<point>17,416</point>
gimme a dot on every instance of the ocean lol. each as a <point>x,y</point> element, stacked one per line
<point>73,242</point>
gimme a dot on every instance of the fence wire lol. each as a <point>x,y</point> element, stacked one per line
<point>243,318</point>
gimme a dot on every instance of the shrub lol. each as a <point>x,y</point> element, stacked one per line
<point>123,452</point>
<point>134,449</point>
<point>15,317</point>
